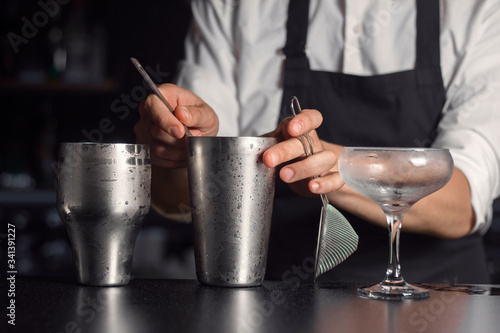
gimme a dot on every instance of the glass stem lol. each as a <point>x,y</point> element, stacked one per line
<point>393,273</point>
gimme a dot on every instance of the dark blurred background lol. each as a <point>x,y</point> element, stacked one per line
<point>64,67</point>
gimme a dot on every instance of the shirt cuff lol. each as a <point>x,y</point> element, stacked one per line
<point>478,163</point>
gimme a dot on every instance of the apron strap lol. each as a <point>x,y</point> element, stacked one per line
<point>296,64</point>
<point>296,27</point>
<point>428,31</point>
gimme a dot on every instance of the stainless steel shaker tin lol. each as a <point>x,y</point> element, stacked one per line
<point>232,195</point>
<point>103,195</point>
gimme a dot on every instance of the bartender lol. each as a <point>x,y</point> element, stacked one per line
<point>381,73</point>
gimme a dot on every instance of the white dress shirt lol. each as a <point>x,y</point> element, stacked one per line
<point>234,64</point>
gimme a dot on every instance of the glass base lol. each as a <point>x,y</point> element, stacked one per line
<point>393,291</point>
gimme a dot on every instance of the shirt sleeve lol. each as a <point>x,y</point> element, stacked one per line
<point>209,64</point>
<point>470,126</point>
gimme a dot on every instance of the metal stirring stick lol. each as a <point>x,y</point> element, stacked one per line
<point>157,92</point>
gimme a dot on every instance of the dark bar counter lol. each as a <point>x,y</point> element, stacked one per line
<point>61,305</point>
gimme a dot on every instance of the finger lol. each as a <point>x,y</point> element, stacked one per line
<point>154,109</point>
<point>304,122</point>
<point>176,95</point>
<point>310,167</point>
<point>191,110</point>
<point>326,183</point>
<point>159,134</point>
<point>201,118</point>
<point>283,152</point>
<point>288,150</point>
<point>163,147</point>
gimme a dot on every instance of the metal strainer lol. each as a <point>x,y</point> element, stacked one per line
<point>337,240</point>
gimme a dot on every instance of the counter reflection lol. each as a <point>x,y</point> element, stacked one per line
<point>106,310</point>
<point>239,310</point>
<point>442,312</point>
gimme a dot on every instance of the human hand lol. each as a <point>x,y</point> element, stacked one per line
<point>298,170</point>
<point>164,132</point>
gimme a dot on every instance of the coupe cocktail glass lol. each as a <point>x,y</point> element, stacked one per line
<point>395,178</point>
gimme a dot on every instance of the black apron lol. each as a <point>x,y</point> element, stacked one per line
<point>399,109</point>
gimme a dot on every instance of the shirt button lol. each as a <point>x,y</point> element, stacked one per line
<point>357,28</point>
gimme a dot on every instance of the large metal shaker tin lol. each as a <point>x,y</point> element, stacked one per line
<point>232,195</point>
